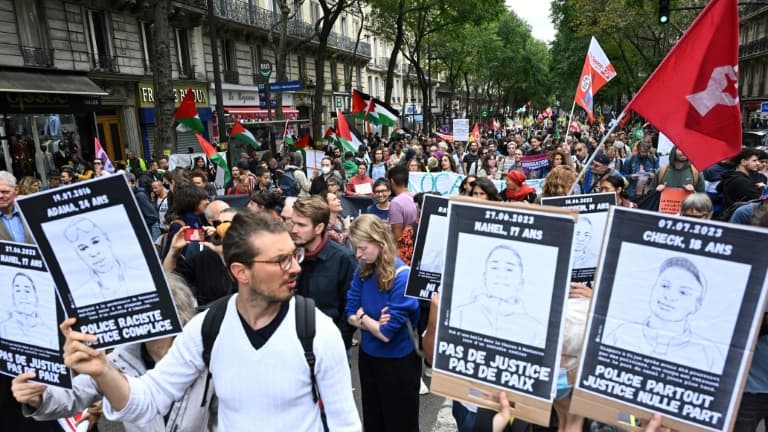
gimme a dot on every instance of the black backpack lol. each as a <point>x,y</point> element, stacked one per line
<point>287,183</point>
<point>305,331</point>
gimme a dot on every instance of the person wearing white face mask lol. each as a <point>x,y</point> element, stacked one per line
<point>320,182</point>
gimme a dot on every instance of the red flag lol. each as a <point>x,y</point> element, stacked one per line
<point>303,142</point>
<point>692,97</point>
<point>597,71</point>
<point>474,136</point>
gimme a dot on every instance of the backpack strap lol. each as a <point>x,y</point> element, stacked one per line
<point>209,331</point>
<point>695,174</point>
<point>305,330</point>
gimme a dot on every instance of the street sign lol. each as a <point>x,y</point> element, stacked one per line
<point>339,102</point>
<point>764,107</point>
<point>285,86</point>
<point>265,69</point>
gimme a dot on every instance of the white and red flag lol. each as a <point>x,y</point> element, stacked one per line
<point>597,71</point>
<point>101,154</point>
<point>692,97</point>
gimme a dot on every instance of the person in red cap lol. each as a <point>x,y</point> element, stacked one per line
<point>516,189</point>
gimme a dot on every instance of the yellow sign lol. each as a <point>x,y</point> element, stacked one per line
<point>146,94</point>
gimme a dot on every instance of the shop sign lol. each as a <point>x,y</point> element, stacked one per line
<point>44,103</point>
<point>146,94</point>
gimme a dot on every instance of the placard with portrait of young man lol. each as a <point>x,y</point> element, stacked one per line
<point>96,245</point>
<point>675,313</point>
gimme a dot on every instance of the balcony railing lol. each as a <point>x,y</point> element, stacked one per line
<point>42,57</point>
<point>232,76</point>
<point>104,62</point>
<point>756,46</point>
<point>246,12</point>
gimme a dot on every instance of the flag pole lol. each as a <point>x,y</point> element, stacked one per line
<point>588,163</point>
<point>570,119</point>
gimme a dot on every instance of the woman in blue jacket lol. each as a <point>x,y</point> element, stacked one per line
<point>389,366</point>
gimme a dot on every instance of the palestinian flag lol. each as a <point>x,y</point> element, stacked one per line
<point>370,109</point>
<point>348,140</point>
<point>330,136</point>
<point>240,132</point>
<point>362,105</point>
<point>287,137</point>
<point>385,114</point>
<point>215,157</point>
<point>186,115</point>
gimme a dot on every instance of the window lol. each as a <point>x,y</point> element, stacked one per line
<point>33,36</point>
<point>229,60</point>
<point>255,59</point>
<point>183,52</point>
<point>147,43</point>
<point>370,85</point>
<point>302,64</point>
<point>344,26</point>
<point>316,12</point>
<point>100,41</point>
<point>334,76</point>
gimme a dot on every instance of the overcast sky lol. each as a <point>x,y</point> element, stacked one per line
<point>537,15</point>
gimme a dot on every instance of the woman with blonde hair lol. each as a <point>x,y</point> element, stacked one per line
<point>558,182</point>
<point>28,185</point>
<point>389,366</point>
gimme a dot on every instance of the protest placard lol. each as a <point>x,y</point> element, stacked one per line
<point>675,315</point>
<point>461,129</point>
<point>671,200</point>
<point>429,248</point>
<point>503,293</point>
<point>593,213</point>
<point>96,246</point>
<point>314,162</point>
<point>29,331</point>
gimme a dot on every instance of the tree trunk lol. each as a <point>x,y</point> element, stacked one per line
<point>162,77</point>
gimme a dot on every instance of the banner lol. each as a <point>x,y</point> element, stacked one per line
<point>98,250</point>
<point>429,249</point>
<point>29,332</point>
<point>675,314</point>
<point>447,183</point>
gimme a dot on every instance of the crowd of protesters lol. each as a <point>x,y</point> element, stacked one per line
<point>343,235</point>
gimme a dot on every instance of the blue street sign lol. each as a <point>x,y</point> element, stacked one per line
<point>285,86</point>
<point>764,107</point>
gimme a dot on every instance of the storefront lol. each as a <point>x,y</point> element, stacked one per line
<point>46,109</point>
<point>184,141</point>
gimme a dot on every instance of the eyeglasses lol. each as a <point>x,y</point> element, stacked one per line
<point>381,191</point>
<point>285,261</point>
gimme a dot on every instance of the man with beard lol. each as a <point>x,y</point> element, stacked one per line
<point>678,173</point>
<point>639,169</point>
<point>598,172</point>
<point>743,184</point>
<point>328,267</point>
<point>257,365</point>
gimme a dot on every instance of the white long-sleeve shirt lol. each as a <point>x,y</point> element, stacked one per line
<point>268,389</point>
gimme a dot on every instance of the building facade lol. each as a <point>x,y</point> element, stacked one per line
<point>753,65</point>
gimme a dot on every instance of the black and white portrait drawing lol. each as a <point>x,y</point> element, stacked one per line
<point>29,309</point>
<point>433,252</point>
<point>675,306</point>
<point>99,255</point>
<point>510,297</point>
<point>586,242</point>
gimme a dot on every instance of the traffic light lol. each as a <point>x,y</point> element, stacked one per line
<point>663,11</point>
<point>484,113</point>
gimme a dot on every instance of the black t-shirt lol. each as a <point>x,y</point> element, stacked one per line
<point>260,337</point>
<point>207,276</point>
<point>469,159</point>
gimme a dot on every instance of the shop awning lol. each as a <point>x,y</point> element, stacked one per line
<point>31,82</point>
<point>259,114</point>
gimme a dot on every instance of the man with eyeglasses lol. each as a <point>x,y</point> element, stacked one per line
<point>327,270</point>
<point>380,208</point>
<point>257,364</point>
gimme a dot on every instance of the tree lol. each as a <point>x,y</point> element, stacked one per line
<point>165,103</point>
